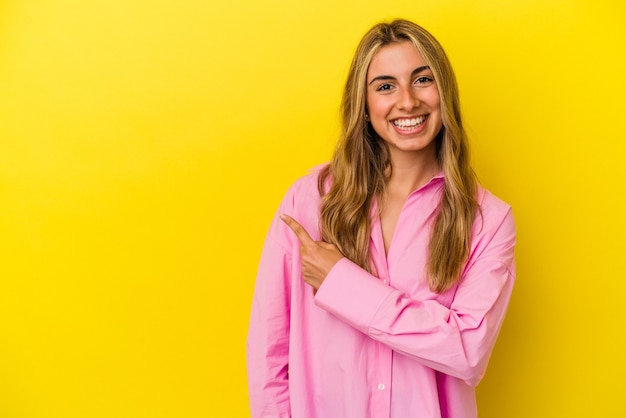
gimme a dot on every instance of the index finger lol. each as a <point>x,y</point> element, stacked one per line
<point>298,229</point>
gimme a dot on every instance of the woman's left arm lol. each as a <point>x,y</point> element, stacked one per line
<point>455,340</point>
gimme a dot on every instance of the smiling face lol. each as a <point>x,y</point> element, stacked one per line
<point>403,101</point>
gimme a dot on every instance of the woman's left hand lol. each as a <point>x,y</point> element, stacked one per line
<point>317,257</point>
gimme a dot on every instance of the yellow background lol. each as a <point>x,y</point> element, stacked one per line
<point>145,144</point>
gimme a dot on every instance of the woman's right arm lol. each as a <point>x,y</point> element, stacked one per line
<point>268,335</point>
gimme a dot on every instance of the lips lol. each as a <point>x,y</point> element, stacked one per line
<point>407,124</point>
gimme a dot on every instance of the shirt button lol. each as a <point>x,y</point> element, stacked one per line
<point>381,386</point>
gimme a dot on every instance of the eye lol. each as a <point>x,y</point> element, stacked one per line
<point>384,87</point>
<point>423,81</point>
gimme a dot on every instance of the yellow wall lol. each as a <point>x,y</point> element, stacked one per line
<point>145,144</point>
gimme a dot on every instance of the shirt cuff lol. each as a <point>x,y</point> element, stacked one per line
<point>352,294</point>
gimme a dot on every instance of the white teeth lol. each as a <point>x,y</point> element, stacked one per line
<point>409,123</point>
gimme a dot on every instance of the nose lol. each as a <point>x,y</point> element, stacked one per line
<point>408,99</point>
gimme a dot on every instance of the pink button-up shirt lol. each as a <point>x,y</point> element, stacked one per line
<point>384,345</point>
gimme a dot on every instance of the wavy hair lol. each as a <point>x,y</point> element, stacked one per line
<point>360,167</point>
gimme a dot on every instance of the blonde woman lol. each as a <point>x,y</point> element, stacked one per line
<point>386,274</point>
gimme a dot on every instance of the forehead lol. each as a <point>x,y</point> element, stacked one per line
<point>395,59</point>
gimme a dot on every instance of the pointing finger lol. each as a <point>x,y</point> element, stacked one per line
<point>298,229</point>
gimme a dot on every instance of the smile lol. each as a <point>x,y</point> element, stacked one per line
<point>407,124</point>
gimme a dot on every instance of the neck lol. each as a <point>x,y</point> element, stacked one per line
<point>410,172</point>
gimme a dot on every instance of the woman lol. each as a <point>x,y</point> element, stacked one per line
<point>392,305</point>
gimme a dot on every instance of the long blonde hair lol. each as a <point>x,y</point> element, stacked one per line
<point>359,169</point>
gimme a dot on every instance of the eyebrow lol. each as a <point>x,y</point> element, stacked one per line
<point>388,77</point>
